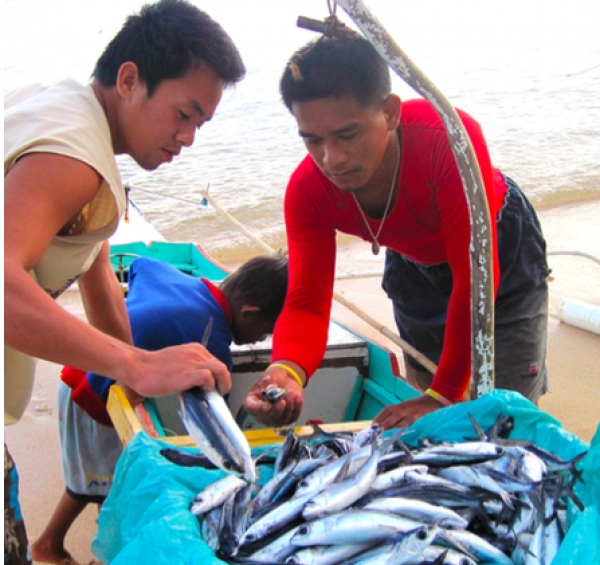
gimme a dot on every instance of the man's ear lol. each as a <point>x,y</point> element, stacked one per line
<point>392,110</point>
<point>248,309</point>
<point>128,79</point>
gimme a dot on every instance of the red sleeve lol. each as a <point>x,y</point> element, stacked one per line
<point>301,330</point>
<point>454,369</point>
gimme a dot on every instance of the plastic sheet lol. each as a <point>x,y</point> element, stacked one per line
<point>146,518</point>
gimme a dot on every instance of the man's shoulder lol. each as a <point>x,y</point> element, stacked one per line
<point>69,121</point>
<point>421,113</point>
<point>38,95</point>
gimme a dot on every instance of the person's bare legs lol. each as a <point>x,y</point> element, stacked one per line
<point>50,546</point>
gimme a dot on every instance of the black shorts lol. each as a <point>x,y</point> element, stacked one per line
<point>421,293</point>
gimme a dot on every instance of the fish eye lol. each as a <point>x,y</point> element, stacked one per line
<point>422,534</point>
<point>303,530</point>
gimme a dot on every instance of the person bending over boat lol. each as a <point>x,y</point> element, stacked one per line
<point>158,80</point>
<point>166,308</point>
<point>383,170</point>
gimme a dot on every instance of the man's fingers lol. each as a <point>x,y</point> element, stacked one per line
<point>254,405</point>
<point>220,376</point>
<point>264,412</point>
<point>223,384</point>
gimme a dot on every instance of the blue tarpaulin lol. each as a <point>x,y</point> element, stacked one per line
<point>146,517</point>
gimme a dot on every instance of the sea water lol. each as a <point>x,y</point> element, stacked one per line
<point>527,71</point>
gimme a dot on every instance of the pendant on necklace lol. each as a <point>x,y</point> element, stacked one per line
<point>375,247</point>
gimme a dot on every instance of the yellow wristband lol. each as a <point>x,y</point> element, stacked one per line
<point>290,371</point>
<point>441,399</point>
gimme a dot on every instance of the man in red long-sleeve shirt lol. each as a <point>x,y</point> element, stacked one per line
<point>383,170</point>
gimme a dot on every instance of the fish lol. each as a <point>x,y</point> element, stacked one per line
<point>342,495</point>
<point>399,550</point>
<point>209,422</point>
<point>327,554</point>
<point>369,499</point>
<point>185,459</point>
<point>470,476</point>
<point>284,482</point>
<point>223,415</point>
<point>367,435</point>
<point>396,476</point>
<point>207,433</point>
<point>188,459</point>
<point>340,442</point>
<point>480,548</point>
<point>211,425</point>
<point>458,453</point>
<point>326,475</point>
<point>278,550</point>
<point>437,555</point>
<point>288,452</point>
<point>419,511</point>
<point>353,526</point>
<point>211,525</point>
<point>216,494</point>
<point>275,520</point>
<point>232,519</point>
<point>273,394</point>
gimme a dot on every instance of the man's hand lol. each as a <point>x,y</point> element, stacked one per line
<point>406,413</point>
<point>176,369</point>
<point>286,410</point>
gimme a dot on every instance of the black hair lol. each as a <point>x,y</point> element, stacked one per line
<point>167,39</point>
<point>332,66</point>
<point>261,282</point>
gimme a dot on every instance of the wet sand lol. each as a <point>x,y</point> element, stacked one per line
<point>573,363</point>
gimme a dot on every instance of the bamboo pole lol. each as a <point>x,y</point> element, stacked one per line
<point>235,222</point>
<point>482,284</point>
<point>406,347</point>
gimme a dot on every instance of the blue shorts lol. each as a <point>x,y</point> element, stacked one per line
<point>420,294</point>
<point>90,450</point>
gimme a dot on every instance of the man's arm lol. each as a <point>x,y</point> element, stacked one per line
<point>300,336</point>
<point>104,304</point>
<point>103,299</point>
<point>452,377</point>
<point>42,192</point>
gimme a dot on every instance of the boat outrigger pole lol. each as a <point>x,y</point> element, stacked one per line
<point>482,283</point>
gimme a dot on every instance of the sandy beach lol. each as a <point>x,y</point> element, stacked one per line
<point>573,362</point>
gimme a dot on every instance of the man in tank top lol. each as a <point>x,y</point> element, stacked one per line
<point>157,82</point>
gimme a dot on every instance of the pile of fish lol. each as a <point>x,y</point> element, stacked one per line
<point>362,498</point>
